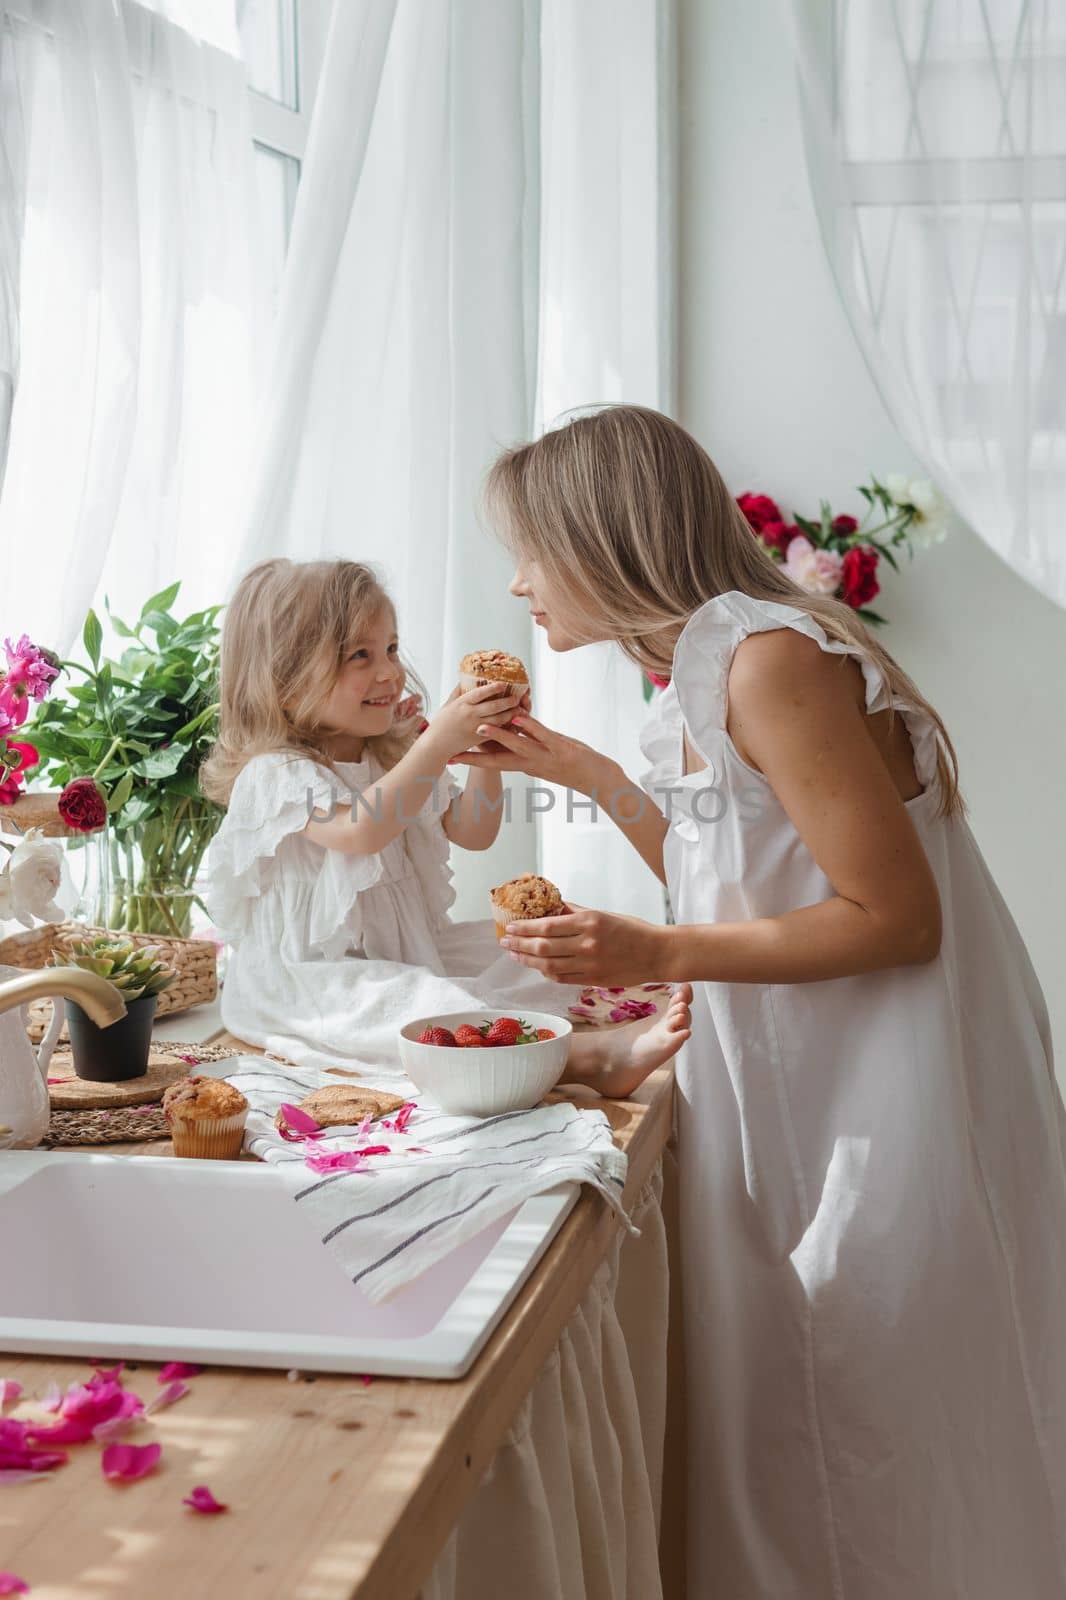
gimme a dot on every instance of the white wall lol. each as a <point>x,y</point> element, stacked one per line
<point>772,383</point>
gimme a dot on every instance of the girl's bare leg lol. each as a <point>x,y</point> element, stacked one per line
<point>615,1061</point>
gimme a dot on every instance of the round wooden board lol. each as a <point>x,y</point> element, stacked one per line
<point>165,1066</point>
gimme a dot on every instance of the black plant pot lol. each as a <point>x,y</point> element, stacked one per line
<point>111,1055</point>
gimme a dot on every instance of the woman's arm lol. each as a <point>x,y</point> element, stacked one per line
<point>530,747</point>
<point>795,713</point>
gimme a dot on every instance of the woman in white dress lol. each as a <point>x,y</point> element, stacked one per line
<point>871,1137</point>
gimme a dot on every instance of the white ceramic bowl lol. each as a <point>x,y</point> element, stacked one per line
<point>483,1083</point>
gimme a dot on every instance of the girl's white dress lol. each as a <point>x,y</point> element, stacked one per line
<point>331,954</point>
<point>873,1210</point>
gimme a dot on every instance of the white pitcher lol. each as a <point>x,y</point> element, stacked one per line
<point>24,1105</point>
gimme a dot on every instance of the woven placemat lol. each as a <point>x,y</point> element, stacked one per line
<point>122,1122</point>
<point>166,1064</point>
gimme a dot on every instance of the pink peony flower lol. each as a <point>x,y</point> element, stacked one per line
<point>817,571</point>
<point>29,673</point>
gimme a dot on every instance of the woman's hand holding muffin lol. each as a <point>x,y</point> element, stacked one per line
<point>584,946</point>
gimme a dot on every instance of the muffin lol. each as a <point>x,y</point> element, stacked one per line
<point>206,1117</point>
<point>522,899</point>
<point>491,666</point>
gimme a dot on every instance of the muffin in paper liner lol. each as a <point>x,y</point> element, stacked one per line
<point>206,1117</point>
<point>491,666</point>
<point>524,899</point>
<point>209,1138</point>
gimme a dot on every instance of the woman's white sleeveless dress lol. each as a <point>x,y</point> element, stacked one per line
<point>873,1210</point>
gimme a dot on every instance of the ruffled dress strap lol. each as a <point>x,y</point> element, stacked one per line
<point>272,801</point>
<point>704,655</point>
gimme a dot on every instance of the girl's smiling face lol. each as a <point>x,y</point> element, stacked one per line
<point>552,609</point>
<point>369,686</point>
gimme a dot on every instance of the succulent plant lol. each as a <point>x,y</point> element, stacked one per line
<point>135,970</point>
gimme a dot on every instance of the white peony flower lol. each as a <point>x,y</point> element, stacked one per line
<point>7,899</point>
<point>817,571</point>
<point>35,871</point>
<point>897,484</point>
<point>930,526</point>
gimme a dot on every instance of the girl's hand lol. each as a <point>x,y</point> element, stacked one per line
<point>465,710</point>
<point>526,745</point>
<point>583,946</point>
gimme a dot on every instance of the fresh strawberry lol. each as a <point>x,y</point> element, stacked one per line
<point>437,1036</point>
<point>545,1033</point>
<point>505,1030</point>
<point>468,1036</point>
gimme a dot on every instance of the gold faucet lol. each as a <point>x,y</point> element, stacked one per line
<point>98,998</point>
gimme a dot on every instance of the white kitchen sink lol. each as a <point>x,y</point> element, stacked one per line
<point>158,1259</point>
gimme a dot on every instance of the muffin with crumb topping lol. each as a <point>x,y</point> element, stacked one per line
<point>491,666</point>
<point>206,1117</point>
<point>523,899</point>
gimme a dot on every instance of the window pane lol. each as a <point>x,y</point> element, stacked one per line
<point>277,176</point>
<point>268,44</point>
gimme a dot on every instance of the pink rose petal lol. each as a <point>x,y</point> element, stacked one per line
<point>201,1499</point>
<point>404,1115</point>
<point>9,1391</point>
<point>19,1475</point>
<point>178,1369</point>
<point>115,1428</point>
<point>10,1584</point>
<point>123,1463</point>
<point>299,1121</point>
<point>166,1397</point>
<point>52,1398</point>
<point>336,1160</point>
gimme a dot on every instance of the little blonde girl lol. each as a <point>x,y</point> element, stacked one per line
<point>329,874</point>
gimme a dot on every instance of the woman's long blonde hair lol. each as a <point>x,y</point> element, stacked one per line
<point>287,632</point>
<point>630,515</point>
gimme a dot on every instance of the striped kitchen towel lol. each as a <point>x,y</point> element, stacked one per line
<point>443,1179</point>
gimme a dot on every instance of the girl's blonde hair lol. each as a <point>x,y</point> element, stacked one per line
<point>287,632</point>
<point>630,515</point>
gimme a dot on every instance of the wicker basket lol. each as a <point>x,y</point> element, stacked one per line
<point>194,961</point>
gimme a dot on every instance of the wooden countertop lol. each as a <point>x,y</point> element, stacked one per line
<point>337,1489</point>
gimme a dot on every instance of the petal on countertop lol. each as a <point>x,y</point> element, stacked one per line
<point>178,1369</point>
<point>166,1397</point>
<point>123,1463</point>
<point>201,1499</point>
<point>11,1584</point>
<point>9,1392</point>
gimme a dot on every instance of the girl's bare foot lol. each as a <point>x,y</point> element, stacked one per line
<point>616,1061</point>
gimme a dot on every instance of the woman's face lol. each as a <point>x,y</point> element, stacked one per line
<point>553,609</point>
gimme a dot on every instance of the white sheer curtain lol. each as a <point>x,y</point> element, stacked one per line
<point>936,141</point>
<point>128,158</point>
<point>606,334</point>
<point>469,163</point>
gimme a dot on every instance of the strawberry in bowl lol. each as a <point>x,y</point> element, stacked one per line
<point>482,1063</point>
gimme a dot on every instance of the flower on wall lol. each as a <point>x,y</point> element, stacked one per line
<point>839,555</point>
